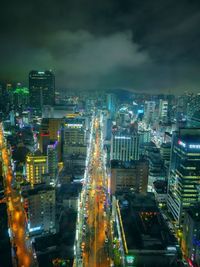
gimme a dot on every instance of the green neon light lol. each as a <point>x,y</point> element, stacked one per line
<point>21,91</point>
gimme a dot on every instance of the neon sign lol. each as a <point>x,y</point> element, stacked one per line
<point>181,143</point>
<point>122,137</point>
<point>74,125</point>
<point>194,146</point>
<point>37,228</point>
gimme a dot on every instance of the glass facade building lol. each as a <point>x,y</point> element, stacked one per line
<point>41,88</point>
<point>184,173</point>
<point>124,146</point>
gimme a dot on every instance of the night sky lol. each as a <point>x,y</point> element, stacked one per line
<point>140,45</point>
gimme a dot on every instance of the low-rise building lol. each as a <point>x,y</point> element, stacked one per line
<point>146,238</point>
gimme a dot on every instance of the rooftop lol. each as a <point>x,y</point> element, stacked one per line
<point>36,153</point>
<point>143,225</point>
<point>38,189</point>
<point>126,165</point>
<point>187,133</point>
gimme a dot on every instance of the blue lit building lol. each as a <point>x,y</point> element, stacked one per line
<point>184,173</point>
<point>111,103</point>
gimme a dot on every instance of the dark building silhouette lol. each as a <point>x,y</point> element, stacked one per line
<point>5,246</point>
<point>41,88</point>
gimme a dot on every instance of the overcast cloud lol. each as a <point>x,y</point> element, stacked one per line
<point>139,45</point>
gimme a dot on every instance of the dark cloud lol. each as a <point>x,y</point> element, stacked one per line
<point>99,44</point>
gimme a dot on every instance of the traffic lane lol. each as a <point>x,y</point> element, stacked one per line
<point>16,218</point>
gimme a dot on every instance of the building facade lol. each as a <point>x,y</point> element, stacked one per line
<point>36,166</point>
<point>193,104</point>
<point>165,151</point>
<point>163,110</point>
<point>184,173</point>
<point>132,176</point>
<point>111,103</point>
<point>41,88</point>
<point>39,204</point>
<point>52,162</point>
<point>149,111</point>
<point>124,146</point>
<point>74,137</point>
<point>50,132</point>
<point>191,234</point>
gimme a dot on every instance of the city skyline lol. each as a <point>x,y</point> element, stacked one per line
<point>139,46</point>
<point>100,133</point>
<point>98,179</point>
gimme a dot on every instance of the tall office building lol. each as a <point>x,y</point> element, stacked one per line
<point>12,118</point>
<point>145,136</point>
<point>184,173</point>
<point>41,88</point>
<point>149,111</point>
<point>36,166</point>
<point>52,162</point>
<point>107,125</point>
<point>74,137</point>
<point>39,204</point>
<point>193,105</point>
<point>163,110</point>
<point>124,146</point>
<point>111,103</point>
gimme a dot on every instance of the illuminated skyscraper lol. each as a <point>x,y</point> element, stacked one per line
<point>74,137</point>
<point>39,204</point>
<point>163,110</point>
<point>193,104</point>
<point>191,234</point>
<point>125,146</point>
<point>111,103</point>
<point>184,174</point>
<point>36,166</point>
<point>41,88</point>
<point>52,162</point>
<point>149,111</point>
